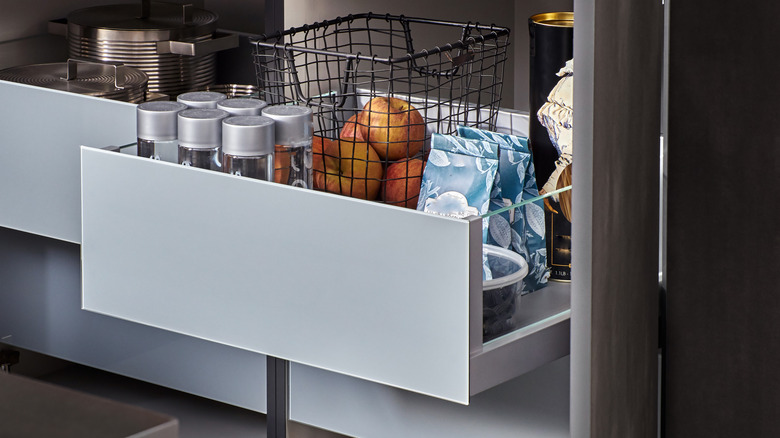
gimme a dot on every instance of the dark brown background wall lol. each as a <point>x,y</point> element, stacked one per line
<point>723,345</point>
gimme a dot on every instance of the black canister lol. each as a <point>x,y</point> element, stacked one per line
<point>552,45</point>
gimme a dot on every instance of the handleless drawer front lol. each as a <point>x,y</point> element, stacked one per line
<point>355,287</point>
<point>40,134</point>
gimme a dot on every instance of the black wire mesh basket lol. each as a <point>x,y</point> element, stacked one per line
<point>377,97</point>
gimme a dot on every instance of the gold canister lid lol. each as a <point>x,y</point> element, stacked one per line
<point>554,19</point>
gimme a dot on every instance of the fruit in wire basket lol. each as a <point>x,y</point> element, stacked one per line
<point>318,156</point>
<point>346,166</point>
<point>351,129</point>
<point>394,127</point>
<point>402,183</point>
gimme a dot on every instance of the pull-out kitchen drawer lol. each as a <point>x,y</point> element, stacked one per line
<point>377,292</point>
<point>40,134</point>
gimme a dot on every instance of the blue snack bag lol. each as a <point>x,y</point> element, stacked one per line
<point>458,179</point>
<point>521,229</point>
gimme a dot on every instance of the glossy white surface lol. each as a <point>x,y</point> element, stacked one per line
<point>40,134</point>
<point>360,288</point>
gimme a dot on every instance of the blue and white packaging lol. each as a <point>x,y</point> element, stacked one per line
<point>521,229</point>
<point>458,179</point>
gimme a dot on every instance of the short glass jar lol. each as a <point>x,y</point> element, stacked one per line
<point>157,129</point>
<point>293,153</point>
<point>200,137</point>
<point>248,147</point>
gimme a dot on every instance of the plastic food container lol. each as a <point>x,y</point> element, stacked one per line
<point>501,294</point>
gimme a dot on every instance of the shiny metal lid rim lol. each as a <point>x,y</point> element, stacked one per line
<point>130,49</point>
<point>93,79</point>
<point>119,23</point>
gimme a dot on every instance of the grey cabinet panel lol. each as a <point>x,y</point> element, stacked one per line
<point>615,236</point>
<point>534,405</point>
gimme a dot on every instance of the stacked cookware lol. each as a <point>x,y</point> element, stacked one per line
<point>173,44</point>
<point>93,79</point>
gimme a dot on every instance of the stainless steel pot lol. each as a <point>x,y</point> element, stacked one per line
<point>116,82</point>
<point>173,44</point>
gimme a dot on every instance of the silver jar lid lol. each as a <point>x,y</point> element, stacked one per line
<point>248,136</point>
<point>158,120</point>
<point>201,128</point>
<point>244,106</point>
<point>293,123</point>
<point>201,99</point>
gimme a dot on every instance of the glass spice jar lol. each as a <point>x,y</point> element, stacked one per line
<point>157,129</point>
<point>200,137</point>
<point>248,146</point>
<point>293,150</point>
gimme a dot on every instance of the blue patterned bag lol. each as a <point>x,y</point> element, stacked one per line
<point>458,179</point>
<point>520,229</point>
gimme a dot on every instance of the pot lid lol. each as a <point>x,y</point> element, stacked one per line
<point>165,22</point>
<point>92,79</point>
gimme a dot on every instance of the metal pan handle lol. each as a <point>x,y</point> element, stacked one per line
<point>119,71</point>
<point>221,41</point>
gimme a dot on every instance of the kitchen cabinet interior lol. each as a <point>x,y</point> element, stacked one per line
<point>594,282</point>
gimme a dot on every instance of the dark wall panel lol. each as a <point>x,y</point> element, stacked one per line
<point>723,240</point>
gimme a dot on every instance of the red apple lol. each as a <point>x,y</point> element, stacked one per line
<point>351,130</point>
<point>402,183</point>
<point>393,127</point>
<point>347,167</point>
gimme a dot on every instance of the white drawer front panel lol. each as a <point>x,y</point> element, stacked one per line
<point>40,134</point>
<point>360,288</point>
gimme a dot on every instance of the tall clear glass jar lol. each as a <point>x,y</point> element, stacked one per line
<point>293,153</point>
<point>200,137</point>
<point>157,129</point>
<point>248,147</point>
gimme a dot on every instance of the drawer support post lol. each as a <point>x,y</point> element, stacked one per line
<point>278,396</point>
